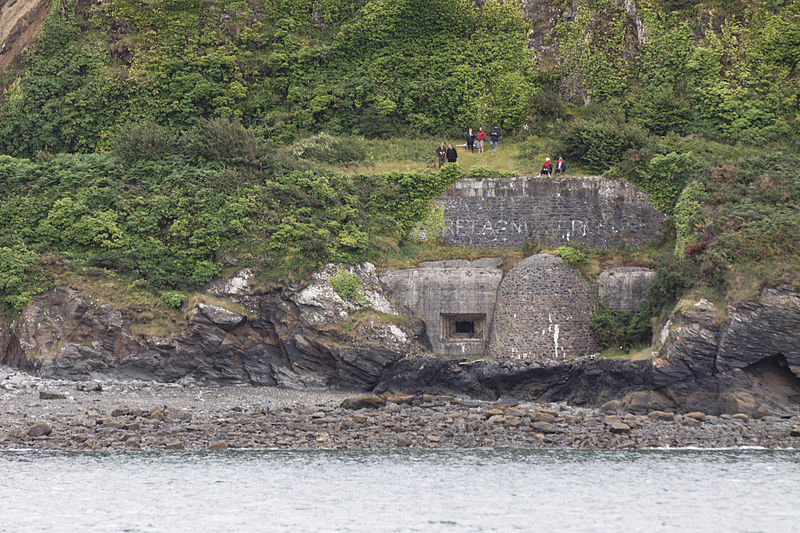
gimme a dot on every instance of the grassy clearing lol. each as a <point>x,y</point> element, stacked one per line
<point>515,155</point>
<point>636,354</point>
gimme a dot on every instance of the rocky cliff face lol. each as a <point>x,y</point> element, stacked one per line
<point>20,22</point>
<point>307,337</point>
<point>291,338</point>
<point>749,361</point>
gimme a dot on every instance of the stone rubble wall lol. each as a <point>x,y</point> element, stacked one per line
<point>543,311</point>
<point>512,212</point>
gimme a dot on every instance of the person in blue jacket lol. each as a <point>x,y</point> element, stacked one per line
<point>494,136</point>
<point>561,166</point>
<point>470,141</point>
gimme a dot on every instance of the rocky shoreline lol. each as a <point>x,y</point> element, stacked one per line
<point>48,414</point>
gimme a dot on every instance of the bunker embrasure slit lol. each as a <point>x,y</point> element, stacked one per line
<point>463,326</point>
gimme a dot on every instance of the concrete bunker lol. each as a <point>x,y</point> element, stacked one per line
<point>624,287</point>
<point>455,298</point>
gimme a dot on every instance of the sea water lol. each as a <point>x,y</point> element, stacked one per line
<point>425,491</point>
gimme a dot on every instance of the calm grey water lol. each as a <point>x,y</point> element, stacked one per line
<point>502,491</point>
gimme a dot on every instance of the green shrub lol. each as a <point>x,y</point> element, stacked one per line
<point>664,177</point>
<point>432,225</point>
<point>143,141</point>
<point>478,171</point>
<point>347,285</point>
<point>600,144</point>
<point>173,299</point>
<point>223,140</point>
<point>613,329</point>
<point>687,211</point>
<point>571,255</point>
<point>19,274</point>
<point>658,109</point>
<point>331,149</point>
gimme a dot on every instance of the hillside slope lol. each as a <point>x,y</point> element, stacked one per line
<point>726,70</point>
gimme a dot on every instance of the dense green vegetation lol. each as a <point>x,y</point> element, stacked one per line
<point>724,70</point>
<point>152,139</point>
<point>163,213</point>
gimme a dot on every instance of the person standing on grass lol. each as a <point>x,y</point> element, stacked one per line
<point>494,137</point>
<point>479,138</point>
<point>452,155</point>
<point>441,152</point>
<point>470,140</point>
<point>561,166</point>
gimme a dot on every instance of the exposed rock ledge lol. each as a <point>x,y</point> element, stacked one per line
<point>20,23</point>
<point>288,338</point>
<point>294,338</point>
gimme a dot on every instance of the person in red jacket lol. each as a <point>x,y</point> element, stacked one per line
<point>479,138</point>
<point>547,168</point>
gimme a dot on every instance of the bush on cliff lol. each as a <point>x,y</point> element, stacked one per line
<point>663,178</point>
<point>599,144</point>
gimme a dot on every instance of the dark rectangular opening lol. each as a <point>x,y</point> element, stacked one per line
<point>463,326</point>
<point>466,327</point>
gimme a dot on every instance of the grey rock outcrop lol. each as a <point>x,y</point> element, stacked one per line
<point>235,287</point>
<point>624,287</point>
<point>754,331</point>
<point>221,317</point>
<point>455,298</point>
<point>20,22</point>
<point>747,361</point>
<point>320,305</point>
<point>278,342</point>
<point>579,381</point>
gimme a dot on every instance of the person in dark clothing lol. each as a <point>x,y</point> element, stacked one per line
<point>441,152</point>
<point>479,138</point>
<point>452,155</point>
<point>547,168</point>
<point>494,137</point>
<point>561,166</point>
<point>470,141</point>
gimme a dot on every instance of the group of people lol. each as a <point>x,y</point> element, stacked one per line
<point>560,167</point>
<point>474,142</point>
